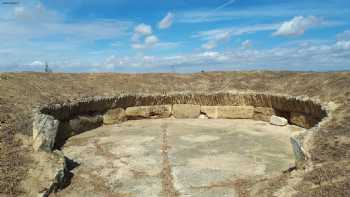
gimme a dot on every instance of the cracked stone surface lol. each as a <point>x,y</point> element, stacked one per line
<point>176,157</point>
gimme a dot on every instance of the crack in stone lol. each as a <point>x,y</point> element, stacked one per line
<point>168,189</point>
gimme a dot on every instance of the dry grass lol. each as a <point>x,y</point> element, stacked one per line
<point>20,92</point>
<point>12,163</point>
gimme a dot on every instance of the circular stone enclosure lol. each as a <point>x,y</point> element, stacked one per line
<point>55,123</point>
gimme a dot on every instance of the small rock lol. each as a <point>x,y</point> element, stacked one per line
<point>279,121</point>
<point>203,116</point>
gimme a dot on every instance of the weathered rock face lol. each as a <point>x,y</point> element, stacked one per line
<point>279,121</point>
<point>232,112</point>
<point>84,123</point>
<point>302,120</point>
<point>263,113</point>
<point>160,111</point>
<point>50,174</point>
<point>45,129</point>
<point>299,152</point>
<point>186,111</point>
<point>114,116</point>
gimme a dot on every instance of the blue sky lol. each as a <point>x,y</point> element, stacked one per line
<point>177,35</point>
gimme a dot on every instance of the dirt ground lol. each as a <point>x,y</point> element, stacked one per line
<point>20,92</point>
<point>203,157</point>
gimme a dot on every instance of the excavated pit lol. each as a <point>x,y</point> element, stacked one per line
<point>174,145</point>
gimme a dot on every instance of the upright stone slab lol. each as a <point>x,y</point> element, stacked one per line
<point>263,113</point>
<point>235,112</point>
<point>45,129</point>
<point>114,116</point>
<point>161,111</point>
<point>210,111</point>
<point>186,110</point>
<point>231,112</point>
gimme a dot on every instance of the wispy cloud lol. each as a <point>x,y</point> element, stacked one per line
<point>38,22</point>
<point>262,12</point>
<point>167,21</point>
<point>344,35</point>
<point>330,56</point>
<point>214,37</point>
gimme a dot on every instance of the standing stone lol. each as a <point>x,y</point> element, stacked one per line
<point>230,112</point>
<point>263,113</point>
<point>160,111</point>
<point>186,110</point>
<point>114,116</point>
<point>45,129</point>
<point>210,111</point>
<point>279,121</point>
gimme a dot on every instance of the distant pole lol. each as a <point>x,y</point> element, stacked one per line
<point>46,67</point>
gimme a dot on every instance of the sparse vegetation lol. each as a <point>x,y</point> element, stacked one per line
<point>20,92</point>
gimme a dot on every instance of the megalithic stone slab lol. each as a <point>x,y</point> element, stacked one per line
<point>45,129</point>
<point>186,110</point>
<point>230,112</point>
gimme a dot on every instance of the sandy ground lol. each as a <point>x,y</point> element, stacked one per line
<point>173,157</point>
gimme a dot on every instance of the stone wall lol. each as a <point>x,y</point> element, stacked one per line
<point>54,123</point>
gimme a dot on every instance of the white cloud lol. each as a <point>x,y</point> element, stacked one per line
<point>314,56</point>
<point>299,57</point>
<point>151,40</point>
<point>345,45</point>
<point>37,21</point>
<point>215,40</point>
<point>344,35</point>
<point>37,63</point>
<point>297,26</point>
<point>143,37</point>
<point>143,29</point>
<point>246,44</point>
<point>167,21</point>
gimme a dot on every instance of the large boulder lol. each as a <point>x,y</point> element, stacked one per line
<point>231,112</point>
<point>263,113</point>
<point>186,110</point>
<point>114,116</point>
<point>279,121</point>
<point>159,111</point>
<point>302,120</point>
<point>45,128</point>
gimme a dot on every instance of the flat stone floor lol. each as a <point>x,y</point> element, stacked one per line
<point>176,157</point>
